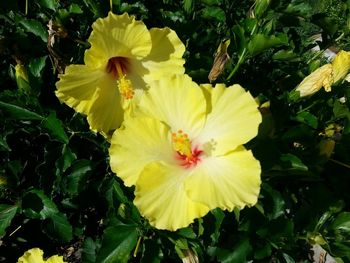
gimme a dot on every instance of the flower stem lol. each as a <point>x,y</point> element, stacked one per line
<point>239,62</point>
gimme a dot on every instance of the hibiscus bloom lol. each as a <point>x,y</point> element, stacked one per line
<point>123,58</point>
<point>35,255</point>
<point>184,151</point>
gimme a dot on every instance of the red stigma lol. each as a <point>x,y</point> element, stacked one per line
<point>189,161</point>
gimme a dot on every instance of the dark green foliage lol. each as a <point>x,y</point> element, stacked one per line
<point>60,194</point>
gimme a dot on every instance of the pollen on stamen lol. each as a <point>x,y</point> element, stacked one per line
<point>125,88</point>
<point>184,153</point>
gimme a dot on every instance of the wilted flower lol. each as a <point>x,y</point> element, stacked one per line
<point>220,60</point>
<point>124,56</point>
<point>184,151</point>
<point>35,255</point>
<point>321,77</point>
<point>341,65</point>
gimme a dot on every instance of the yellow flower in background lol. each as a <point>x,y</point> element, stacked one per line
<point>35,255</point>
<point>341,65</point>
<point>124,57</point>
<point>321,77</point>
<point>184,151</point>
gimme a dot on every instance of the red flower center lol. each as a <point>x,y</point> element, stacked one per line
<point>118,67</point>
<point>191,160</point>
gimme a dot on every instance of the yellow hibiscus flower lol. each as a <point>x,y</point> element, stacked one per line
<point>35,255</point>
<point>123,58</point>
<point>184,151</point>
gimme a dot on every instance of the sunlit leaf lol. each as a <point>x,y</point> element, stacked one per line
<point>7,213</point>
<point>117,244</point>
<point>19,113</point>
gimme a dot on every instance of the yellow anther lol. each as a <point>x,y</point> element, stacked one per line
<point>125,87</point>
<point>182,143</point>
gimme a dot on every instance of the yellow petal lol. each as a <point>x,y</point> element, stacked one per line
<point>139,142</point>
<point>106,112</point>
<point>166,54</point>
<point>55,259</point>
<point>321,77</point>
<point>81,106</point>
<point>227,182</point>
<point>79,82</point>
<point>341,65</point>
<point>178,102</point>
<point>117,36</point>
<point>234,119</point>
<point>161,198</point>
<point>35,255</point>
<point>93,93</point>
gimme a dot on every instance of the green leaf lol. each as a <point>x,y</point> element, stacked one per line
<point>340,110</point>
<point>50,4</point>
<point>299,7</point>
<point>4,145</point>
<point>118,191</point>
<point>94,7</point>
<point>188,5</point>
<point>307,118</point>
<point>7,213</point>
<point>187,233</point>
<point>19,113</point>
<point>275,205</point>
<point>59,227</point>
<point>66,159</point>
<point>55,128</point>
<point>75,9</point>
<point>342,223</point>
<point>262,251</point>
<point>89,251</point>
<point>341,249</point>
<point>36,204</point>
<point>152,252</point>
<point>239,38</point>
<point>260,43</point>
<point>238,254</point>
<point>286,55</point>
<point>219,218</point>
<point>37,65</point>
<point>293,162</point>
<point>287,258</point>
<point>35,27</point>
<point>117,244</point>
<point>77,175</point>
<point>214,13</point>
